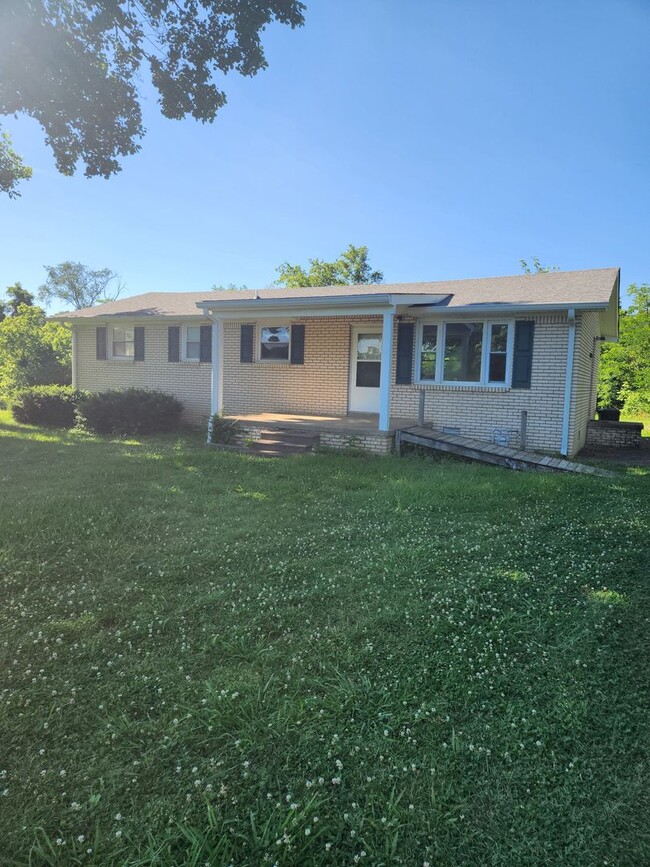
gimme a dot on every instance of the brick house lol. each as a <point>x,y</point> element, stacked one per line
<point>470,356</point>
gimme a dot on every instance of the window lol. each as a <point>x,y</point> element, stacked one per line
<point>497,365</point>
<point>122,343</point>
<point>463,349</point>
<point>193,342</point>
<point>428,352</point>
<point>274,343</point>
<point>466,353</point>
<point>368,360</point>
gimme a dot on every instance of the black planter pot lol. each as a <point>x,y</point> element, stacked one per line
<point>609,414</point>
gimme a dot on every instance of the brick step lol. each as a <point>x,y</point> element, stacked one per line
<point>306,439</point>
<point>280,444</point>
<point>277,451</point>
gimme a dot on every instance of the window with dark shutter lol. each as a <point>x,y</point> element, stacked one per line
<point>206,343</point>
<point>522,361</point>
<point>404,370</point>
<point>246,344</point>
<point>173,343</point>
<point>138,343</point>
<point>297,344</point>
<point>100,343</point>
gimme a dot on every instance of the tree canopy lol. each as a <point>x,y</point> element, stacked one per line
<point>77,68</point>
<point>351,267</point>
<point>17,296</point>
<point>78,286</point>
<point>624,379</point>
<point>33,351</point>
<point>536,267</point>
<point>12,168</point>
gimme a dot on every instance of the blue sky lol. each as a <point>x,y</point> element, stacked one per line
<point>453,137</point>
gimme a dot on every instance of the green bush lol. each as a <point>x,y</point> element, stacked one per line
<point>222,430</point>
<point>131,411</point>
<point>46,405</point>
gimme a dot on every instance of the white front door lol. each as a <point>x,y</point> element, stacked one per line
<point>365,369</point>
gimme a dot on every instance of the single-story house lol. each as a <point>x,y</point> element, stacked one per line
<point>468,356</point>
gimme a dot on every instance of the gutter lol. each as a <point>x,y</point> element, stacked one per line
<point>568,384</point>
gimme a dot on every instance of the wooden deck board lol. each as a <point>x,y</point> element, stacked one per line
<point>489,453</point>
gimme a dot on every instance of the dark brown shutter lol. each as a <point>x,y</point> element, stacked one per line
<point>297,344</point>
<point>205,349</point>
<point>246,344</point>
<point>173,343</point>
<point>522,362</point>
<point>404,369</point>
<point>138,343</point>
<point>100,343</point>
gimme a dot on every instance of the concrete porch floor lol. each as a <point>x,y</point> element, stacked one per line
<point>358,423</point>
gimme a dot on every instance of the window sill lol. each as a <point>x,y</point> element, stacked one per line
<point>461,386</point>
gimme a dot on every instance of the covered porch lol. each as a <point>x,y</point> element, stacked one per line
<point>362,430</point>
<point>357,423</point>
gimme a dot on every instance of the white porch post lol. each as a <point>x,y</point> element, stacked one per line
<point>216,383</point>
<point>568,383</point>
<point>386,368</point>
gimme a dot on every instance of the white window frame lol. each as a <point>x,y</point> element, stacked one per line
<point>184,335</point>
<point>112,329</point>
<point>484,381</point>
<point>258,342</point>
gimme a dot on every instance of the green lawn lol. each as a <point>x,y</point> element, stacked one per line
<point>209,658</point>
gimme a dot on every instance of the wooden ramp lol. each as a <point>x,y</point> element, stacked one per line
<point>488,453</point>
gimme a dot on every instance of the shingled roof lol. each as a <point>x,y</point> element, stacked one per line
<point>563,288</point>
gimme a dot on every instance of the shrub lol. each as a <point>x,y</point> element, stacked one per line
<point>46,405</point>
<point>222,430</point>
<point>132,411</point>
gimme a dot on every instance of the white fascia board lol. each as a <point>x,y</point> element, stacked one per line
<point>262,304</point>
<point>266,312</point>
<point>127,318</point>
<point>501,309</point>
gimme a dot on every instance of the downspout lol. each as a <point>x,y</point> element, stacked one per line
<point>568,385</point>
<point>74,357</point>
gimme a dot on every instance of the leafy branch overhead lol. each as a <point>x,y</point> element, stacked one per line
<point>351,268</point>
<point>77,69</point>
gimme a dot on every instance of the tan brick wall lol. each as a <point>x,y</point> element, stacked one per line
<point>189,381</point>
<point>319,386</point>
<point>478,411</point>
<point>585,378</point>
<point>614,434</point>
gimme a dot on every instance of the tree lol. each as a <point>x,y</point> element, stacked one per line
<point>78,68</point>
<point>18,297</point>
<point>351,268</point>
<point>624,374</point>
<point>12,168</point>
<point>536,267</point>
<point>33,351</point>
<point>231,287</point>
<point>77,286</point>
